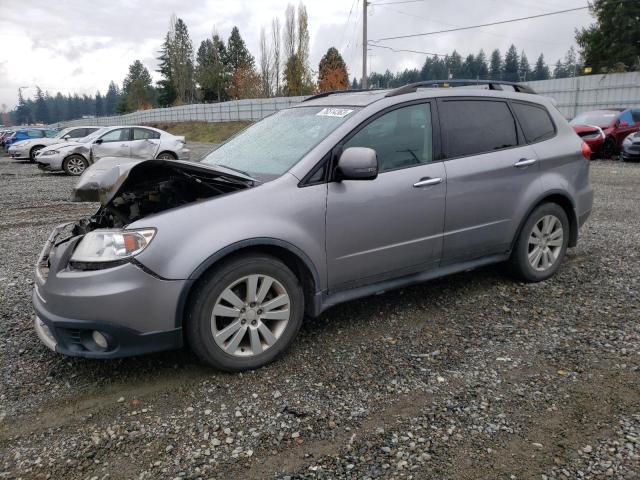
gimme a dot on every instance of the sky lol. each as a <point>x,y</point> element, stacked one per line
<point>79,46</point>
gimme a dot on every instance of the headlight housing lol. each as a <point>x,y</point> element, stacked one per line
<point>103,246</point>
<point>50,152</point>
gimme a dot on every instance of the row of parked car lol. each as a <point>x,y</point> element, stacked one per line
<point>610,132</point>
<point>73,149</point>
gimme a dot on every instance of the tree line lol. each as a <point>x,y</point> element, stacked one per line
<point>221,70</point>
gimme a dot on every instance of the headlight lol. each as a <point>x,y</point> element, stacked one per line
<point>50,152</point>
<point>112,245</point>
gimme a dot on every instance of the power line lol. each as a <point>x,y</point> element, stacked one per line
<point>482,25</point>
<point>395,3</point>
<point>405,50</point>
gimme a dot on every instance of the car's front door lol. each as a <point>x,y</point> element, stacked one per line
<point>114,143</point>
<point>490,173</point>
<point>390,226</point>
<point>145,143</point>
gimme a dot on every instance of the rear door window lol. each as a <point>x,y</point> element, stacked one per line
<point>472,127</point>
<point>535,121</point>
<point>144,134</point>
<point>35,133</point>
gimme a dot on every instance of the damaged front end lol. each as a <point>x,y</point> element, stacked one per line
<point>130,189</point>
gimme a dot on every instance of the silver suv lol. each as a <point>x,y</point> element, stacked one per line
<point>345,195</point>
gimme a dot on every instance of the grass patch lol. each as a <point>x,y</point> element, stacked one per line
<point>202,131</point>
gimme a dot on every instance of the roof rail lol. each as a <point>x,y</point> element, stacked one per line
<point>493,85</point>
<point>332,92</point>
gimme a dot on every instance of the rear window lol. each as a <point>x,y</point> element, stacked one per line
<point>535,122</point>
<point>471,127</point>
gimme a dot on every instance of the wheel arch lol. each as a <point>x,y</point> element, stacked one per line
<point>561,198</point>
<point>299,263</point>
<point>175,157</point>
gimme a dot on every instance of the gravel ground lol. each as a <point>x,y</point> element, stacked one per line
<point>471,376</point>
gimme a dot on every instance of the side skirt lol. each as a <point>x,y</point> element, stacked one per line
<point>327,301</point>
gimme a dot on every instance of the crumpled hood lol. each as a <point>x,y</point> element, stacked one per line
<point>103,180</point>
<point>59,146</point>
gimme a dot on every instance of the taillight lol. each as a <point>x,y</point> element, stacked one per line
<point>586,151</point>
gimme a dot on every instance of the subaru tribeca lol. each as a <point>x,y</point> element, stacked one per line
<point>344,195</point>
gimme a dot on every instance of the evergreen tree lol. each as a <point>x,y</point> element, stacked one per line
<point>166,90</point>
<point>41,113</point>
<point>177,85</point>
<point>99,105</point>
<point>482,71</point>
<point>541,71</point>
<point>332,72</point>
<point>211,73</point>
<point>137,91</point>
<point>524,70</point>
<point>495,70</point>
<point>23,112</point>
<point>355,85</point>
<point>111,100</point>
<point>511,65</point>
<point>237,53</point>
<point>614,38</point>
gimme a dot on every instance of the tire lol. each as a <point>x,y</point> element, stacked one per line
<point>33,151</point>
<point>75,165</point>
<point>523,259</point>
<point>242,342</point>
<point>609,148</point>
<point>166,156</point>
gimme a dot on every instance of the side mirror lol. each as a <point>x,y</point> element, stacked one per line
<point>66,137</point>
<point>98,141</point>
<point>357,163</point>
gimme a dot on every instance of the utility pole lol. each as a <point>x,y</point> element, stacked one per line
<point>364,44</point>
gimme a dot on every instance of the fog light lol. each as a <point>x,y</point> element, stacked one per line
<point>100,339</point>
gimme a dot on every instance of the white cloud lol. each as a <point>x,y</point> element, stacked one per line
<point>78,46</point>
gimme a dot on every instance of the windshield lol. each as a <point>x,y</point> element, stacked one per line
<point>90,138</point>
<point>272,146</point>
<point>599,119</point>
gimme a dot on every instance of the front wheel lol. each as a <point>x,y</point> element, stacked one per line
<point>74,165</point>
<point>541,244</point>
<point>609,148</point>
<point>245,313</point>
<point>166,156</point>
<point>32,153</point>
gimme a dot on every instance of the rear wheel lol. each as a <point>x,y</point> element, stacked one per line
<point>609,148</point>
<point>166,156</point>
<point>542,243</point>
<point>33,151</point>
<point>74,165</point>
<point>245,313</point>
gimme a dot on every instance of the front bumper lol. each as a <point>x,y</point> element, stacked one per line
<point>184,154</point>
<point>49,162</point>
<point>18,152</point>
<point>631,153</point>
<point>133,309</point>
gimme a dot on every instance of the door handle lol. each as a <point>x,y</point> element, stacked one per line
<point>427,182</point>
<point>525,162</point>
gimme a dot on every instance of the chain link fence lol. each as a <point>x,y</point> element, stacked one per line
<point>573,95</point>
<point>236,110</point>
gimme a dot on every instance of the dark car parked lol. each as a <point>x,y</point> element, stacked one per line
<point>616,125</point>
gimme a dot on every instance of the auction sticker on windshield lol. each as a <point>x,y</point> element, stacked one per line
<point>334,112</point>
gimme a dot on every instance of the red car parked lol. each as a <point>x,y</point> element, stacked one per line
<point>615,125</point>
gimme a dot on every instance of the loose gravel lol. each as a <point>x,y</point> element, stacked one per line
<point>470,376</point>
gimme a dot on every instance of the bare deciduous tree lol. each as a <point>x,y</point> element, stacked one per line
<point>265,65</point>
<point>277,60</point>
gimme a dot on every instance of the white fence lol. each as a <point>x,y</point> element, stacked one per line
<point>247,110</point>
<point>593,92</point>
<point>573,95</point>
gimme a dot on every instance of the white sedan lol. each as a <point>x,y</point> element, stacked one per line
<point>145,143</point>
<point>27,149</point>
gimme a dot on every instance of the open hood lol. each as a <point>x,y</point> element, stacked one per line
<point>130,189</point>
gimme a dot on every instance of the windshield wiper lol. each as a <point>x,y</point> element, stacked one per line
<point>237,170</point>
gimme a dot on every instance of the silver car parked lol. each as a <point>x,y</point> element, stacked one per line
<point>27,149</point>
<point>345,195</point>
<point>135,142</point>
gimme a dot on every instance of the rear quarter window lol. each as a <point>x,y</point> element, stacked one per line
<point>535,121</point>
<point>472,127</point>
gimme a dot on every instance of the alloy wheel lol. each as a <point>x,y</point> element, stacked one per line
<point>75,165</point>
<point>545,243</point>
<point>250,315</point>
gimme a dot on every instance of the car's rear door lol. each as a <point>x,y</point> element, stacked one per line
<point>145,143</point>
<point>491,173</point>
<point>390,226</point>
